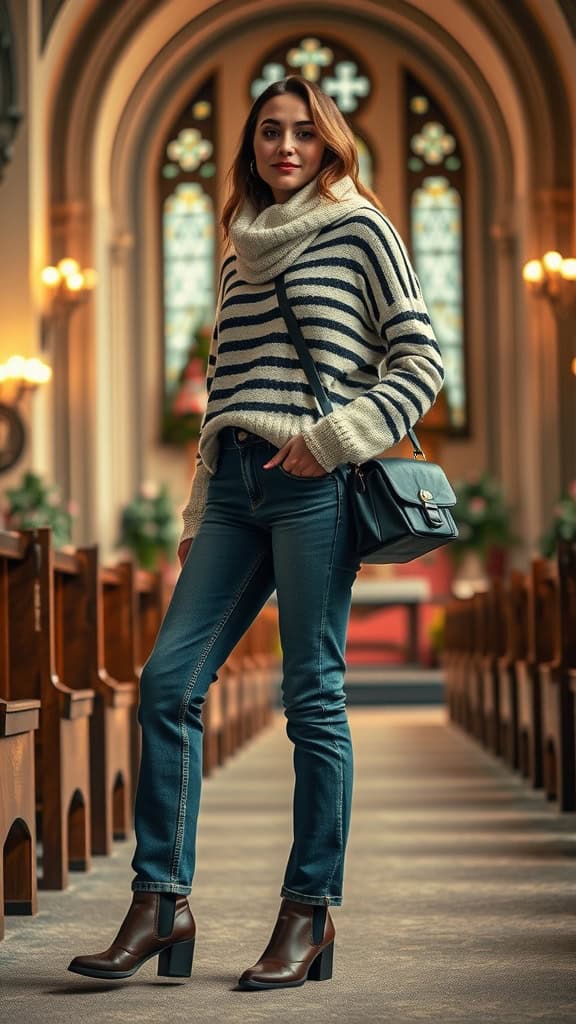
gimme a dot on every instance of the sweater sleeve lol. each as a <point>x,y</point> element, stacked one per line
<point>414,371</point>
<point>193,511</point>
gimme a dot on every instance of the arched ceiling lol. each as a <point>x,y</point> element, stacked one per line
<point>496,52</point>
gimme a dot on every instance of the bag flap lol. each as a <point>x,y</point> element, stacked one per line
<point>407,477</point>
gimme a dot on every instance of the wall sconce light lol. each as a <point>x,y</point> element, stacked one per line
<point>67,286</point>
<point>554,278</point>
<point>18,376</point>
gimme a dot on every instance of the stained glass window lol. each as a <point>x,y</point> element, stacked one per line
<point>365,161</point>
<point>187,193</point>
<point>340,73</point>
<point>436,190</point>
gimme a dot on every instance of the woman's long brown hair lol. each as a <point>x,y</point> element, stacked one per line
<point>340,155</point>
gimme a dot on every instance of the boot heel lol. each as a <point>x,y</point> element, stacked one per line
<point>321,968</point>
<point>176,961</point>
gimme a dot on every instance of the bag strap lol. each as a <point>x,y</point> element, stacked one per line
<point>308,364</point>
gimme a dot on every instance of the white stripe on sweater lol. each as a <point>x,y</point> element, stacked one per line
<point>360,308</point>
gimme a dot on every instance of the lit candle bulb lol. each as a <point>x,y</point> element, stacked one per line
<point>552,261</point>
<point>51,276</point>
<point>75,282</point>
<point>67,267</point>
<point>533,272</point>
<point>568,269</point>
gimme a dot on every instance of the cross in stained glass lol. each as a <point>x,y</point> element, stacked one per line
<point>346,85</point>
<point>189,149</point>
<point>270,73</point>
<point>310,56</point>
<point>433,142</point>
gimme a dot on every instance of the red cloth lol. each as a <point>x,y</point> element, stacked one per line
<point>370,635</point>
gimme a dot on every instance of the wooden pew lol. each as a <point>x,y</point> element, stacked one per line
<point>557,698</point>
<point>251,676</point>
<point>494,662</point>
<point>213,723</point>
<point>261,669</point>
<point>18,886</point>
<point>477,667</point>
<point>232,680</point>
<point>96,649</point>
<point>539,650</point>
<point>462,647</point>
<point>34,665</point>
<point>542,646</point>
<point>120,608</point>
<point>241,702</point>
<point>567,569</point>
<point>19,720</point>
<point>463,650</point>
<point>150,601</point>
<point>268,655</point>
<point>514,617</point>
<point>448,661</point>
<point>151,604</point>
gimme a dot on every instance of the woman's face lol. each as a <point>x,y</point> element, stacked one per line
<point>287,148</point>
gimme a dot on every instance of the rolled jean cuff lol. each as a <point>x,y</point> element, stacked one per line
<point>181,890</point>
<point>318,901</point>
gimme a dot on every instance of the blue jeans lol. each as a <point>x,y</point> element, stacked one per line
<point>261,529</point>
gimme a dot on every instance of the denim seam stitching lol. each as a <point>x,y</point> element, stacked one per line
<point>172,887</point>
<point>326,594</point>
<point>185,743</point>
<point>339,831</point>
<point>245,479</point>
<point>309,899</point>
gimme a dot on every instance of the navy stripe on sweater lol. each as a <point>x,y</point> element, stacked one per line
<point>359,305</point>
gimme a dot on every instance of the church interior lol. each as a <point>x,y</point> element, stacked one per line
<point>119,123</point>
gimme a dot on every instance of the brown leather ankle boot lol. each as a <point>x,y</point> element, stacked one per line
<point>300,949</point>
<point>156,923</point>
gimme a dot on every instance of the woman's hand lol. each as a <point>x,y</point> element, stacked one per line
<point>183,550</point>
<point>297,459</point>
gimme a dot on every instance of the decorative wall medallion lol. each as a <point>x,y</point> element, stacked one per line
<point>12,437</point>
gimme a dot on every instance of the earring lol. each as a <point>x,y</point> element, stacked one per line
<point>252,169</point>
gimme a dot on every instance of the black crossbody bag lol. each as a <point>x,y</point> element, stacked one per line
<point>400,507</point>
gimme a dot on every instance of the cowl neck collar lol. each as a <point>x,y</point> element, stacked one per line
<point>269,242</point>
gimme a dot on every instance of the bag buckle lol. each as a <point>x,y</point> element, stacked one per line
<point>360,481</point>
<point>431,511</point>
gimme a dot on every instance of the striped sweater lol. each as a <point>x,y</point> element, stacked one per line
<point>361,311</point>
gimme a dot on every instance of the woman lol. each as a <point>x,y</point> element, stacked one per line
<point>268,510</point>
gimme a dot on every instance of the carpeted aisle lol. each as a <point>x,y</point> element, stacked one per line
<point>459,898</point>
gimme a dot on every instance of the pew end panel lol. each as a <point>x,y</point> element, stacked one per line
<point>513,612</point>
<point>61,748</point>
<point>151,602</point>
<point>556,695</point>
<point>108,659</point>
<point>18,885</point>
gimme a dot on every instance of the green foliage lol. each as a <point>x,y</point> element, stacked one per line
<point>34,503</point>
<point>482,516</point>
<point>148,525</point>
<point>563,525</point>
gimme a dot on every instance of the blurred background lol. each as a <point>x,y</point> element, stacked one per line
<point>118,123</point>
